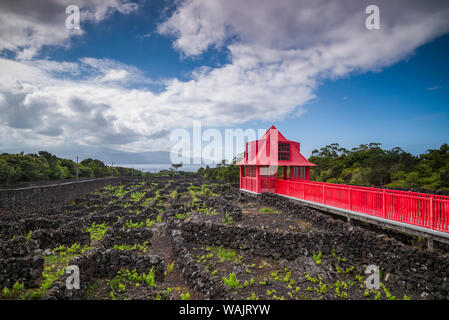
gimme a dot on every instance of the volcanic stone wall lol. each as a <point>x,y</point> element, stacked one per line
<point>50,196</point>
<point>408,267</point>
<point>117,236</point>
<point>20,261</point>
<point>66,236</point>
<point>194,273</point>
<point>103,264</point>
<point>26,270</point>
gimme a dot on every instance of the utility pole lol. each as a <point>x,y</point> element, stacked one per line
<point>76,167</point>
<point>132,172</point>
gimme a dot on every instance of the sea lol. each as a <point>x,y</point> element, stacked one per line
<point>155,168</point>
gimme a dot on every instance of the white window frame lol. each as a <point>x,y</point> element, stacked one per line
<point>302,172</point>
<point>268,171</point>
<point>295,172</point>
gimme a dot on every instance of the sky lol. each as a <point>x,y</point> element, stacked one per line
<point>116,88</point>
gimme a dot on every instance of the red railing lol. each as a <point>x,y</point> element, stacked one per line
<point>267,184</point>
<point>419,209</point>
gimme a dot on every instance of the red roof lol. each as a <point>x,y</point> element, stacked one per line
<point>266,156</point>
<point>273,133</point>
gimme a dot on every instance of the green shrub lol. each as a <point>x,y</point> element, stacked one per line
<point>185,296</point>
<point>267,210</point>
<point>232,281</point>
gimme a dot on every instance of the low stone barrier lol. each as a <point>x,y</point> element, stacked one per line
<point>409,268</point>
<point>44,197</point>
<point>117,236</point>
<point>26,270</point>
<point>99,264</point>
<point>194,273</point>
<point>67,236</point>
<point>17,247</point>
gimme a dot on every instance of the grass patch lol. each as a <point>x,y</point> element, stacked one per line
<point>129,224</point>
<point>136,196</point>
<point>97,231</point>
<point>180,216</point>
<point>268,210</point>
<point>224,254</point>
<point>141,247</point>
<point>174,194</point>
<point>126,277</point>
<point>232,281</point>
<point>117,191</point>
<point>228,219</point>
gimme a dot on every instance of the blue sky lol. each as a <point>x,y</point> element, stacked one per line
<point>138,70</point>
<point>134,40</point>
<point>405,105</point>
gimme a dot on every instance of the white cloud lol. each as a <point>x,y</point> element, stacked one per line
<point>107,70</point>
<point>279,53</point>
<point>434,88</point>
<point>27,26</point>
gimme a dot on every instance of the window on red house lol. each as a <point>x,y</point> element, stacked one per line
<point>283,151</point>
<point>299,172</point>
<point>295,172</point>
<point>303,172</point>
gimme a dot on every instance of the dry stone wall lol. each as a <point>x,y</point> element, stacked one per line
<point>408,267</point>
<point>49,196</point>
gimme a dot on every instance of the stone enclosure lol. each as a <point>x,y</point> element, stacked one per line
<point>189,238</point>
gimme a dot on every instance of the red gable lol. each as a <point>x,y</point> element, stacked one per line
<point>275,150</point>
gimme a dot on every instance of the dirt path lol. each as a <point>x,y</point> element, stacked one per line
<point>161,245</point>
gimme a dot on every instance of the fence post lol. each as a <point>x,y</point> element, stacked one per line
<point>303,191</point>
<point>323,195</point>
<point>383,204</point>
<point>349,198</point>
<point>409,201</point>
<point>431,213</point>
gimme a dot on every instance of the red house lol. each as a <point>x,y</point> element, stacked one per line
<point>259,166</point>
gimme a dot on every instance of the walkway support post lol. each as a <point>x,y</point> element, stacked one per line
<point>429,243</point>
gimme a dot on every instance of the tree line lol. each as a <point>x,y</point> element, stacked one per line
<point>365,165</point>
<point>370,165</point>
<point>20,167</point>
<point>222,172</point>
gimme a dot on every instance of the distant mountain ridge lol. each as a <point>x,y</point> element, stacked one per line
<point>106,155</point>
